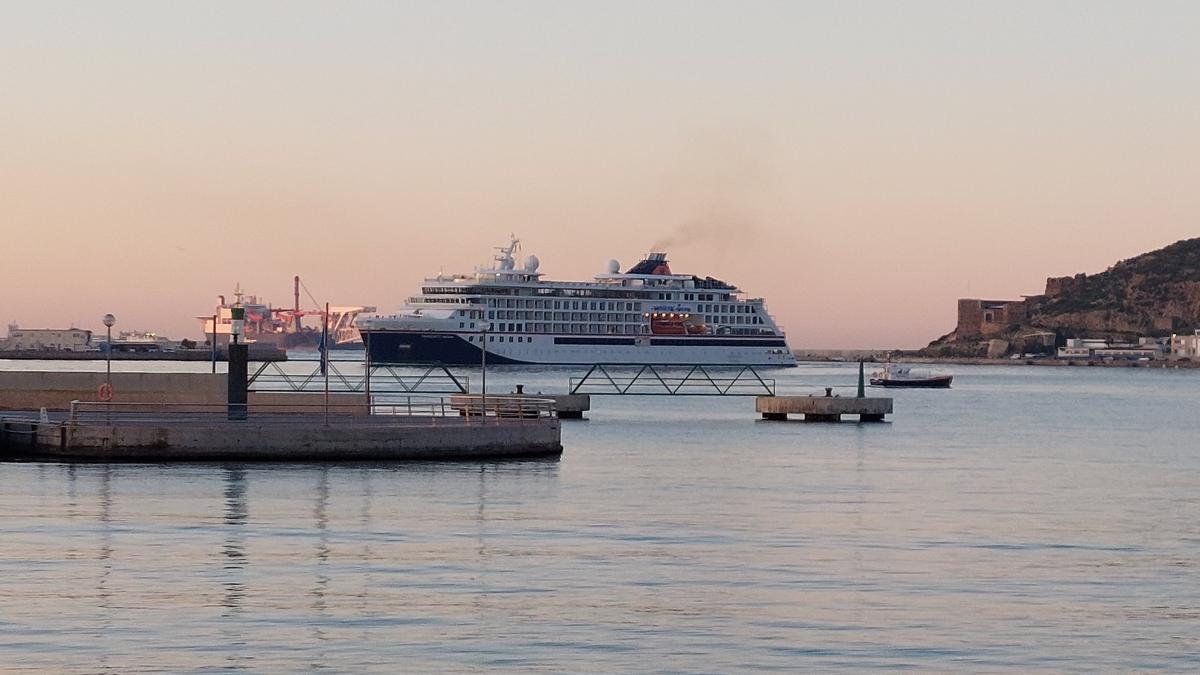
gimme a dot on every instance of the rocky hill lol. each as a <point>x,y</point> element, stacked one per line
<point>1151,295</point>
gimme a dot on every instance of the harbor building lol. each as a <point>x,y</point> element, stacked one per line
<point>138,342</point>
<point>1186,346</point>
<point>47,339</point>
<point>1147,348</point>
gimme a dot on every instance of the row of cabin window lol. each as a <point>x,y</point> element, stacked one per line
<point>569,292</point>
<point>629,328</point>
<point>586,305</point>
<point>500,338</point>
<point>593,306</point>
<point>424,299</point>
<point>728,309</point>
<point>593,329</point>
<point>730,320</point>
<point>564,316</point>
<point>590,316</point>
<point>702,297</point>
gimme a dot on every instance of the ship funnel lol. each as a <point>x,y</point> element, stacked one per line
<point>653,263</point>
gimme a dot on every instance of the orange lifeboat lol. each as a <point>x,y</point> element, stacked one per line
<point>675,323</point>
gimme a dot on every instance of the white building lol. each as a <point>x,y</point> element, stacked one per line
<point>46,339</point>
<point>1084,348</point>
<point>1185,346</point>
<point>1080,348</point>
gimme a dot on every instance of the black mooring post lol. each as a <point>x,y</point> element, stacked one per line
<point>239,356</point>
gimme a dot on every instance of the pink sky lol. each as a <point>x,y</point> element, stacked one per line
<point>860,167</point>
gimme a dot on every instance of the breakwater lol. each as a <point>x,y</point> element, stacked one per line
<point>264,353</point>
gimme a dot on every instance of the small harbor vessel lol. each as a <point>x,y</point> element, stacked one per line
<point>894,375</point>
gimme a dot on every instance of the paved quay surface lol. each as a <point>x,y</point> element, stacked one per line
<point>145,436</point>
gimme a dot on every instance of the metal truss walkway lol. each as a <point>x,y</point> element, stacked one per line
<point>600,379</point>
<point>274,376</point>
<point>667,380</point>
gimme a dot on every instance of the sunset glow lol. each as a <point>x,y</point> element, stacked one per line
<point>859,165</point>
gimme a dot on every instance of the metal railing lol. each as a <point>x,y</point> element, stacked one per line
<point>276,376</point>
<point>397,411</point>
<point>666,380</point>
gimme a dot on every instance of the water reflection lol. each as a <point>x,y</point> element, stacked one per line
<point>72,493</point>
<point>104,555</point>
<point>105,552</point>
<point>234,549</point>
<point>234,562</point>
<point>365,551</point>
<point>320,516</point>
<point>481,513</point>
<point>173,558</point>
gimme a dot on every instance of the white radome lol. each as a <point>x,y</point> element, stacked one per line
<point>614,266</point>
<point>531,263</point>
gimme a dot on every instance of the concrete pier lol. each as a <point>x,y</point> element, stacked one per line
<point>823,408</point>
<point>296,440</point>
<point>571,406</point>
<point>140,433</point>
<point>566,406</point>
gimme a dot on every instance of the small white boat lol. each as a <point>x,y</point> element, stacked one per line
<point>894,375</point>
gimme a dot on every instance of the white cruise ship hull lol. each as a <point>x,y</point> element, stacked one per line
<point>450,348</point>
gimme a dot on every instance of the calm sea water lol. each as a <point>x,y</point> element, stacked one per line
<point>1028,519</point>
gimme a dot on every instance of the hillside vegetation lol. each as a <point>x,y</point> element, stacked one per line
<point>1153,294</point>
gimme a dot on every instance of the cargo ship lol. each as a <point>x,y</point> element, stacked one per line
<point>285,328</point>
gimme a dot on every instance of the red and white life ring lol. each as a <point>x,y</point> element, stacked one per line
<point>105,392</point>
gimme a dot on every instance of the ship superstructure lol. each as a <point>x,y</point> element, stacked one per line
<point>645,315</point>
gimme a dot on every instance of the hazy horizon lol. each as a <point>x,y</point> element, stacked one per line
<point>860,166</point>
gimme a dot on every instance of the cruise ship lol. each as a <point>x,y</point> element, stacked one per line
<point>645,315</point>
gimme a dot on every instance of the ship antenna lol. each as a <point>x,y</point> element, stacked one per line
<point>505,257</point>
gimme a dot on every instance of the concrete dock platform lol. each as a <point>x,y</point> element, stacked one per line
<point>823,408</point>
<point>566,406</point>
<point>98,432</point>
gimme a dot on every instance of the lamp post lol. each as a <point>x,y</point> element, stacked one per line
<point>213,342</point>
<point>483,336</point>
<point>367,369</point>
<point>109,321</point>
<point>325,358</point>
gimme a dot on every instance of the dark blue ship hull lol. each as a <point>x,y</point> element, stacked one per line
<point>398,347</point>
<point>421,348</point>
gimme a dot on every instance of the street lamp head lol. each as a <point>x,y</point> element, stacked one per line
<point>109,320</point>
